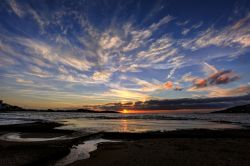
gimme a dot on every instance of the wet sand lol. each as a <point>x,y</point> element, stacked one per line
<point>182,147</point>
<point>175,148</point>
<point>172,152</point>
<point>37,153</point>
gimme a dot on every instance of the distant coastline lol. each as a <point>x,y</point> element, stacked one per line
<point>236,109</point>
<point>7,108</point>
<point>4,107</point>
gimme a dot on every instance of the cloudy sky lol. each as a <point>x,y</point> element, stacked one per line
<point>57,54</point>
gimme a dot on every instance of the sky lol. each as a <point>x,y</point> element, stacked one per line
<point>70,53</point>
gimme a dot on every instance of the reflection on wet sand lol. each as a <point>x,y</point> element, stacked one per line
<point>81,151</point>
<point>140,125</point>
<point>124,123</point>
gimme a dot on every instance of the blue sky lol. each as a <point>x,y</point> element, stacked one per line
<point>57,54</point>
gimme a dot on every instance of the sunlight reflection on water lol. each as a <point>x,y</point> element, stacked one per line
<point>91,122</point>
<point>81,151</point>
<point>140,125</point>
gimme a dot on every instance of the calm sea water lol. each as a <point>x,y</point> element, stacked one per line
<point>90,122</point>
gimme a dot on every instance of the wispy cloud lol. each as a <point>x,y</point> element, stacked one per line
<point>235,34</point>
<point>241,90</point>
<point>20,80</point>
<point>139,36</point>
<point>36,71</point>
<point>185,31</point>
<point>23,10</point>
<point>209,69</point>
<point>127,95</point>
<point>108,42</point>
<point>222,92</point>
<point>122,54</point>
<point>101,76</point>
<point>16,8</point>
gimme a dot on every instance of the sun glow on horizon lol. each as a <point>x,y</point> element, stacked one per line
<point>131,111</point>
<point>125,111</point>
<point>66,55</point>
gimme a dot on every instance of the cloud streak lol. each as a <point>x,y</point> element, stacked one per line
<point>126,54</point>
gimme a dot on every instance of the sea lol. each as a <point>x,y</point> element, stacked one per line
<point>117,122</point>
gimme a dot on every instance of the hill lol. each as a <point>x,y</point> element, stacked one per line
<point>236,109</point>
<point>4,107</point>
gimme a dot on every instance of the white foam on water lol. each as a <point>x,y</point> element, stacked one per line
<point>16,137</point>
<point>81,151</point>
<point>14,121</point>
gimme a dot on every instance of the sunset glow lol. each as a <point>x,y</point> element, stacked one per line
<point>65,54</point>
<point>119,82</point>
<point>125,111</point>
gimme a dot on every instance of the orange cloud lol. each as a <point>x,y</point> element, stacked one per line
<point>200,83</point>
<point>168,85</point>
<point>220,77</point>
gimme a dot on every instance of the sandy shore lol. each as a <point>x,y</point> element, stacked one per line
<point>176,148</point>
<point>172,152</point>
<point>183,147</point>
<point>37,153</point>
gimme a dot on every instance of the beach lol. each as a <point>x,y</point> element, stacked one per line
<point>173,152</point>
<point>36,145</point>
<point>124,83</point>
<point>179,147</point>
